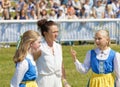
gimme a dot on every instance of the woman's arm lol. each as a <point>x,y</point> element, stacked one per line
<point>64,81</point>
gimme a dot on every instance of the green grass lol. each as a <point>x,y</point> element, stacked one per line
<point>75,79</point>
<point>6,66</point>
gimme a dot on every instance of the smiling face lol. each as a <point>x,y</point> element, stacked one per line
<point>102,39</point>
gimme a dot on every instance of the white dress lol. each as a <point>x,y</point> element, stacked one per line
<point>49,66</point>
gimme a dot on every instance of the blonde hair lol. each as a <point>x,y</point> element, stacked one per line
<point>109,7</point>
<point>106,34</point>
<point>28,37</point>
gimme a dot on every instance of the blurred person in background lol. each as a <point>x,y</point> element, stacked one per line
<point>71,14</point>
<point>99,10</point>
<point>21,4</point>
<point>22,15</point>
<point>31,8</point>
<point>43,14</point>
<point>6,4</point>
<point>52,15</point>
<point>40,5</point>
<point>61,13</point>
<point>32,15</point>
<point>87,8</point>
<point>1,9</point>
<point>82,14</point>
<point>109,12</point>
<point>115,6</point>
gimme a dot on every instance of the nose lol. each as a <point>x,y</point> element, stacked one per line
<point>39,44</point>
<point>56,33</point>
<point>96,40</point>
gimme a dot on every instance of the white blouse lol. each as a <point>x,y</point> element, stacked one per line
<point>49,63</point>
<point>20,71</point>
<point>84,67</point>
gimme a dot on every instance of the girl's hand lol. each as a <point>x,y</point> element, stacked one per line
<point>73,53</point>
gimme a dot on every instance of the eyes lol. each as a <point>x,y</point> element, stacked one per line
<point>97,38</point>
<point>55,32</point>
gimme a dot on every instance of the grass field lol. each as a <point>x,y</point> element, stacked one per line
<point>76,79</point>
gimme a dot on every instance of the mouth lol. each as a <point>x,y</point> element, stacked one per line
<point>97,44</point>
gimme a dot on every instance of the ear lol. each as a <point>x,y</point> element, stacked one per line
<point>31,44</point>
<point>44,33</point>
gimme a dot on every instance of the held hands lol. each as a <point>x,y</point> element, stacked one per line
<point>73,53</point>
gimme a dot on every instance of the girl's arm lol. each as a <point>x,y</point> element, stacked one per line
<point>20,71</point>
<point>81,67</point>
<point>117,69</point>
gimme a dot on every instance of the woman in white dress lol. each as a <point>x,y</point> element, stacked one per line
<point>49,64</point>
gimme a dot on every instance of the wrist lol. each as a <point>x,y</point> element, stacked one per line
<point>75,58</point>
<point>64,82</point>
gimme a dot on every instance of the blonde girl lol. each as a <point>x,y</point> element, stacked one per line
<point>102,60</point>
<point>26,71</point>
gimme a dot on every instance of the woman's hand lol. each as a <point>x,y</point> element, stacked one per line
<point>65,83</point>
<point>73,53</point>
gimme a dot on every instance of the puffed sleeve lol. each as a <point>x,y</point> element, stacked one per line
<point>21,69</point>
<point>83,67</point>
<point>117,68</point>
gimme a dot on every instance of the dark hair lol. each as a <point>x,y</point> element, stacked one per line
<point>44,25</point>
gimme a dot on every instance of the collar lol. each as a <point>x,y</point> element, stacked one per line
<point>29,56</point>
<point>98,51</point>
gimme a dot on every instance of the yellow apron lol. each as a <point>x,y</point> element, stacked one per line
<point>102,80</point>
<point>30,84</point>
